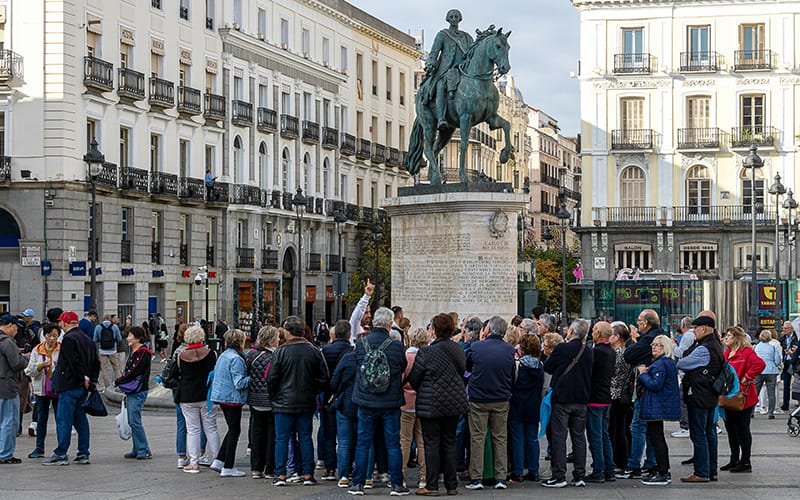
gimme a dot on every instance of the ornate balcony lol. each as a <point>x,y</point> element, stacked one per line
<point>98,74</point>
<point>393,160</point>
<point>267,120</point>
<point>289,127</point>
<point>333,263</point>
<point>287,201</point>
<point>135,178</point>
<point>352,212</point>
<point>275,199</point>
<point>330,138</point>
<point>632,139</point>
<point>363,149</point>
<point>752,60</point>
<point>310,132</point>
<point>5,168</point>
<point>189,101</point>
<point>245,258</point>
<point>130,84</point>
<point>163,183</point>
<point>220,193</point>
<point>314,262</point>
<point>761,136</point>
<point>214,107</point>
<point>269,259</point>
<point>699,62</point>
<point>108,175</point>
<point>191,188</point>
<point>10,66</point>
<point>699,138</point>
<point>713,215</point>
<point>155,252</point>
<point>348,146</point>
<point>241,113</point>
<point>636,63</point>
<point>378,153</point>
<point>244,194</point>
<point>162,93</point>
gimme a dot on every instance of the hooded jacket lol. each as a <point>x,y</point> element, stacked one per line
<point>194,365</point>
<point>526,394</point>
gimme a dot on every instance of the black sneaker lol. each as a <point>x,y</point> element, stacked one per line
<point>596,478</point>
<point>56,460</point>
<point>530,476</point>
<point>398,490</point>
<point>82,459</point>
<point>278,482</point>
<point>555,483</point>
<point>656,480</point>
<point>629,474</point>
<point>356,489</point>
<point>475,484</point>
<point>610,478</point>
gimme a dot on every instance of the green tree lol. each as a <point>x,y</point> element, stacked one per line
<point>548,275</point>
<point>366,268</point>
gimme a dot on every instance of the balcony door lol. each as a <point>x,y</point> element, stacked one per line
<point>632,113</point>
<point>747,192</point>
<point>751,43</point>
<point>698,44</point>
<point>633,47</point>
<point>698,191</point>
<point>752,114</point>
<point>632,187</point>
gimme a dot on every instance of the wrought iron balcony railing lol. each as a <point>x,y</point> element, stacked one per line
<point>750,60</point>
<point>98,74</point>
<point>189,101</point>
<point>704,61</point>
<point>214,107</point>
<point>162,93</point>
<point>289,127</point>
<point>241,113</point>
<point>130,84</point>
<point>639,62</point>
<point>632,139</point>
<point>699,138</point>
<point>330,138</point>
<point>267,120</point>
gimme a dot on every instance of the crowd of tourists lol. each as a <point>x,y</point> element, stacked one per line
<point>462,399</point>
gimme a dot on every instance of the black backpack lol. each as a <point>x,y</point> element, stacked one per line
<point>107,341</point>
<point>170,374</point>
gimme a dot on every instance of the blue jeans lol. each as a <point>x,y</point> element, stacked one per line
<point>70,414</point>
<point>327,421</point>
<point>703,433</point>
<point>285,425</point>
<point>462,443</point>
<point>367,419</point>
<point>599,440</point>
<point>42,413</point>
<point>638,442</point>
<point>9,422</point>
<point>347,428</point>
<point>134,404</point>
<point>524,447</point>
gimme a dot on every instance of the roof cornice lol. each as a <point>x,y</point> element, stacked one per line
<point>587,4</point>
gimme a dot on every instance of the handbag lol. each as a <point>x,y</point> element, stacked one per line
<point>123,427</point>
<point>733,403</point>
<point>47,386</point>
<point>93,405</point>
<point>131,386</point>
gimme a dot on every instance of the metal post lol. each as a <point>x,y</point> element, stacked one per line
<point>300,298</point>
<point>208,319</point>
<point>777,189</point>
<point>339,278</point>
<point>563,275</point>
<point>753,270</point>
<point>93,263</point>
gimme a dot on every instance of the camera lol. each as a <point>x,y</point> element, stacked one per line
<point>198,279</point>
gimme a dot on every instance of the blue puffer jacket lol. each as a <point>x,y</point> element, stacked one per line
<point>342,384</point>
<point>661,399</point>
<point>230,379</point>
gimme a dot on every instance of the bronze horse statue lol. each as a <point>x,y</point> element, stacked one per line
<point>474,101</point>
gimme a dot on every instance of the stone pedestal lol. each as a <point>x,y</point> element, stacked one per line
<point>455,250</point>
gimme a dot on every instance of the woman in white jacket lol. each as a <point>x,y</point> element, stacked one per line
<point>40,369</point>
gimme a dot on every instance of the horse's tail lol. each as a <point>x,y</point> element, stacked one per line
<point>415,149</point>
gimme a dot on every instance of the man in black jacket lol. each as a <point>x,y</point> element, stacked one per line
<point>570,364</point>
<point>648,327</point>
<point>296,376</point>
<point>333,353</point>
<point>77,370</point>
<point>600,405</point>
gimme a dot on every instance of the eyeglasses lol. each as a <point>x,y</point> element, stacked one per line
<point>657,345</point>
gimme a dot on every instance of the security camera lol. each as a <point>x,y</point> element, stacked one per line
<point>198,279</point>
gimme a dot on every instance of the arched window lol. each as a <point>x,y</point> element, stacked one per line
<point>632,186</point>
<point>326,178</point>
<point>306,171</point>
<point>262,165</point>
<point>9,230</point>
<point>238,173</point>
<point>747,193</point>
<point>285,161</point>
<point>698,190</point>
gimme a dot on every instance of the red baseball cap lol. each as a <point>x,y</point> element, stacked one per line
<point>68,317</point>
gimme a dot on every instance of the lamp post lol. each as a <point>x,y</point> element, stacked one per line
<point>299,202</point>
<point>777,189</point>
<point>198,280</point>
<point>790,204</point>
<point>753,161</point>
<point>563,218</point>
<point>94,160</point>
<point>377,232</point>
<point>340,218</point>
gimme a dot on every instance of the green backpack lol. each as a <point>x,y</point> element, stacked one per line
<point>374,370</point>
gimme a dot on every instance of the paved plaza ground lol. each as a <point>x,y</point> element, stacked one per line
<point>109,476</point>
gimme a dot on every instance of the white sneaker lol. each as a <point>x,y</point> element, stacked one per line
<point>384,478</point>
<point>32,429</point>
<point>778,411</point>
<point>182,462</point>
<point>681,433</point>
<point>719,430</point>
<point>192,469</point>
<point>295,478</point>
<point>247,453</point>
<point>231,473</point>
<point>762,411</point>
<point>320,464</point>
<point>217,465</point>
<point>205,461</point>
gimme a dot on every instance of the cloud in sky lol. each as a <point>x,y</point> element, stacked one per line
<point>544,43</point>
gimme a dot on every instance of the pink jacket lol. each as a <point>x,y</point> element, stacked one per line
<point>409,393</point>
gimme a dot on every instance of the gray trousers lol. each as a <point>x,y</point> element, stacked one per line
<point>568,418</point>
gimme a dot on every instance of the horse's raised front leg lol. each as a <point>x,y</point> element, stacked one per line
<point>465,123</point>
<point>496,121</point>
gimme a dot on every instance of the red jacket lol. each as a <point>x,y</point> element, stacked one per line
<point>748,366</point>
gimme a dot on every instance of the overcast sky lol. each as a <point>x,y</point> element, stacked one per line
<point>544,42</point>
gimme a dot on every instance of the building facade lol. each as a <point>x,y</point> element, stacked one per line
<point>267,97</point>
<point>673,93</point>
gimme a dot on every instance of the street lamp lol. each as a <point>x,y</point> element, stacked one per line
<point>790,204</point>
<point>777,189</point>
<point>299,202</point>
<point>753,161</point>
<point>94,161</point>
<point>563,218</point>
<point>339,218</point>
<point>198,280</point>
<point>377,232</point>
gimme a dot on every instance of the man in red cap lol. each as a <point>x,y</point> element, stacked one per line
<point>77,369</point>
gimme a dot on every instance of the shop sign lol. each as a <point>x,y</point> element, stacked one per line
<point>311,293</point>
<point>329,295</point>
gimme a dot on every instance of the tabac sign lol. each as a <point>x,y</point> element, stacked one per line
<point>767,295</point>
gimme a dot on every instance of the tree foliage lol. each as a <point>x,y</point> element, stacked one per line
<point>366,268</point>
<point>548,276</point>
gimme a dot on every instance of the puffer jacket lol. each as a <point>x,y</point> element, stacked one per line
<point>38,356</point>
<point>660,399</point>
<point>257,391</point>
<point>297,374</point>
<point>342,384</point>
<point>194,365</point>
<point>230,379</point>
<point>437,376</point>
<point>526,393</point>
<point>748,366</point>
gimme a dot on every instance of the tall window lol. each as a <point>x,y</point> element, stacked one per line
<point>632,113</point>
<point>343,58</point>
<point>238,158</point>
<point>285,161</point>
<point>284,33</point>
<point>183,152</point>
<point>698,190</point>
<point>91,133</point>
<point>326,51</point>
<point>751,41</point>
<point>698,112</point>
<point>262,22</point>
<point>326,179</point>
<point>747,195</point>
<point>632,185</point>
<point>698,43</point>
<point>306,39</point>
<point>305,174</point>
<point>238,15</point>
<point>262,164</point>
<point>124,147</point>
<point>752,113</point>
<point>155,153</point>
<point>209,158</point>
<point>633,47</point>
